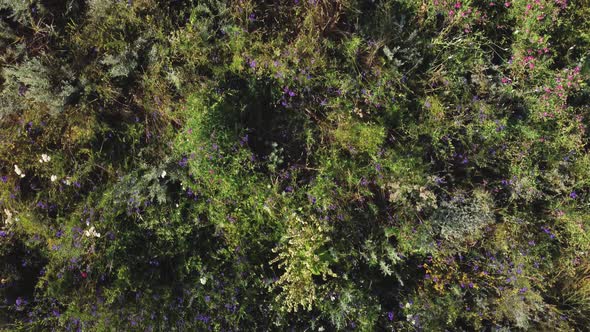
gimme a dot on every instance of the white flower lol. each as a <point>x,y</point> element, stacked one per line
<point>45,158</point>
<point>163,174</point>
<point>8,220</point>
<point>18,171</point>
<point>203,280</point>
<point>53,178</point>
<point>321,328</point>
<point>91,232</point>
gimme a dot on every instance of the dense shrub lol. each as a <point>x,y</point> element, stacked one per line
<point>294,165</point>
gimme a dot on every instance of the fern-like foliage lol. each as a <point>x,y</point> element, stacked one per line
<point>34,84</point>
<point>461,219</point>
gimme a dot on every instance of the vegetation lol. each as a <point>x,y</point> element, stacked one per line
<point>294,165</point>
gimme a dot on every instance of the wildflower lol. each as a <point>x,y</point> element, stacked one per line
<point>44,158</point>
<point>22,89</point>
<point>163,175</point>
<point>18,171</point>
<point>390,315</point>
<point>91,232</point>
<point>20,302</point>
<point>244,140</point>
<point>439,180</point>
<point>53,178</point>
<point>573,195</point>
<point>8,219</point>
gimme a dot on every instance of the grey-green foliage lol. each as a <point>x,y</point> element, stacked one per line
<point>120,65</point>
<point>9,48</point>
<point>20,9</point>
<point>100,8</point>
<point>149,184</point>
<point>125,63</point>
<point>396,32</point>
<point>32,83</point>
<point>463,219</point>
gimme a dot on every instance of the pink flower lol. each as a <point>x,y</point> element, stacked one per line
<point>506,4</point>
<point>457,5</point>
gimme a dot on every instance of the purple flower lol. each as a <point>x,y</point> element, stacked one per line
<point>390,315</point>
<point>183,162</point>
<point>289,189</point>
<point>439,180</point>
<point>4,178</point>
<point>22,89</point>
<point>20,301</point>
<point>244,140</point>
<point>573,195</point>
